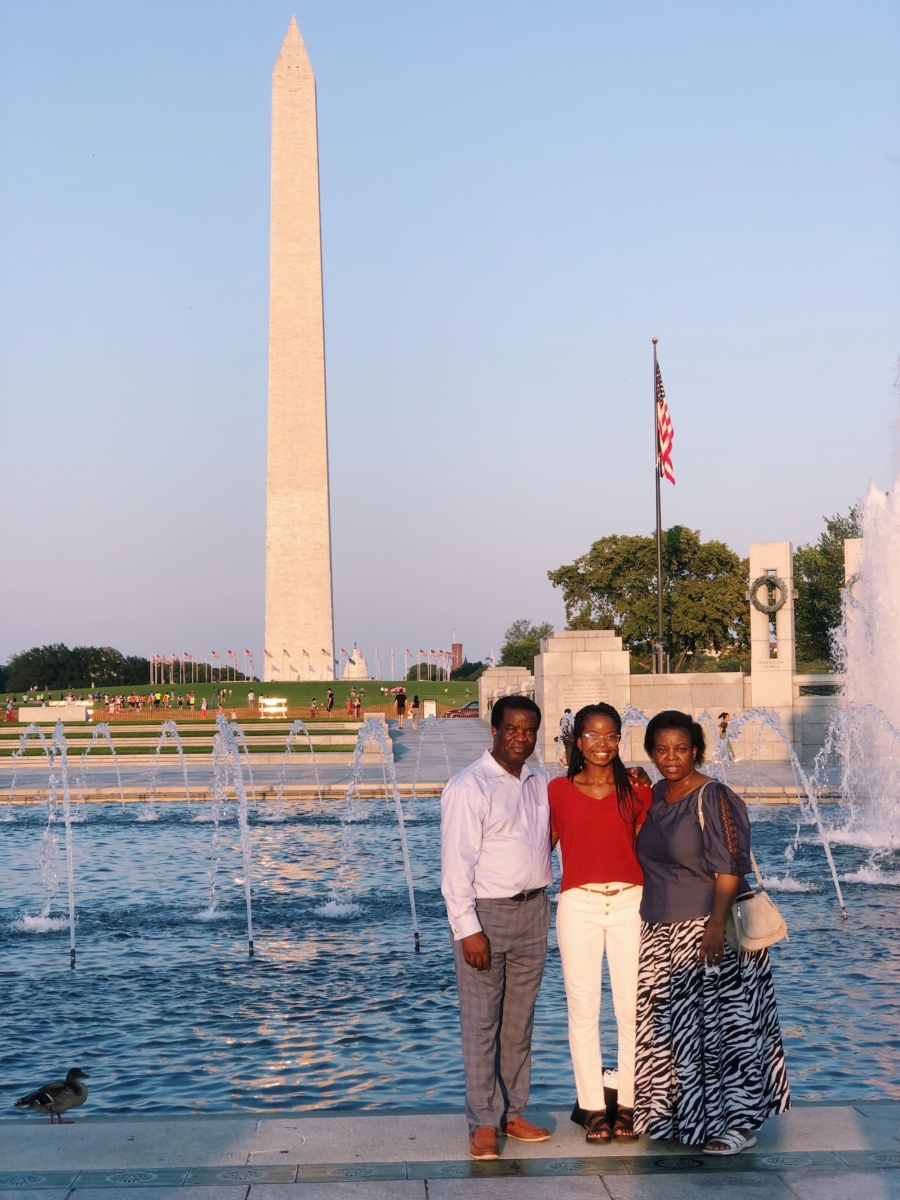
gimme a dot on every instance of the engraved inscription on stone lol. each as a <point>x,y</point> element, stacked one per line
<point>576,692</point>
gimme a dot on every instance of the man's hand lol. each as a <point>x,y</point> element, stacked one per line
<point>477,951</point>
<point>639,776</point>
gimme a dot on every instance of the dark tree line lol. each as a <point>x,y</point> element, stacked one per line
<point>57,666</point>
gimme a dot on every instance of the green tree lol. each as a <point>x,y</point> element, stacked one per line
<point>522,643</point>
<point>468,672</point>
<point>613,586</point>
<point>56,666</point>
<point>819,581</point>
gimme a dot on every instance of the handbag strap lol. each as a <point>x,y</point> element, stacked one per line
<point>700,807</point>
<point>756,871</point>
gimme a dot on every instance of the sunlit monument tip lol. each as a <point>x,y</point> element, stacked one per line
<point>299,633</point>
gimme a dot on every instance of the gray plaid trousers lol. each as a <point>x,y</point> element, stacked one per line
<point>496,1008</point>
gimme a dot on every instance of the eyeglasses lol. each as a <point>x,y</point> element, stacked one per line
<point>610,739</point>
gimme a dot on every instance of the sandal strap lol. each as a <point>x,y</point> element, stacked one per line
<point>598,1122</point>
<point>732,1138</point>
<point>624,1122</point>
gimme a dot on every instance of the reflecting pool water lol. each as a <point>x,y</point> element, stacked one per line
<point>168,1014</point>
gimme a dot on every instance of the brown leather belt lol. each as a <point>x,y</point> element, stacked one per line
<point>601,892</point>
<point>527,895</point>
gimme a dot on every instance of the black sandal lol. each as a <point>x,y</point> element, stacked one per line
<point>623,1129</point>
<point>598,1128</point>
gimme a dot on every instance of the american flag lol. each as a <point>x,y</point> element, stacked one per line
<point>186,655</point>
<point>285,653</point>
<point>215,654</point>
<point>306,652</point>
<point>267,654</point>
<point>664,433</point>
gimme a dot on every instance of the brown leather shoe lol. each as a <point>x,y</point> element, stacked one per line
<point>483,1144</point>
<point>525,1131</point>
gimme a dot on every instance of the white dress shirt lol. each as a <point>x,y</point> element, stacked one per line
<point>495,838</point>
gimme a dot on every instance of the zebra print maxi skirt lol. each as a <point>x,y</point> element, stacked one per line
<point>709,1054</point>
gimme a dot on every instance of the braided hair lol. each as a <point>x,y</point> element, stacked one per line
<point>626,801</point>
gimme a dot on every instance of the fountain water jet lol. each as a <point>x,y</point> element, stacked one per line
<point>168,729</point>
<point>239,736</point>
<point>59,749</point>
<point>772,721</point>
<point>372,729</point>
<point>230,762</point>
<point>27,732</point>
<point>297,727</point>
<point>102,731</point>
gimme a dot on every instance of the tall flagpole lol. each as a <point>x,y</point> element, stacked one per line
<point>658,657</point>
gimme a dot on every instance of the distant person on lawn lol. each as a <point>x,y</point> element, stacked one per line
<point>495,867</point>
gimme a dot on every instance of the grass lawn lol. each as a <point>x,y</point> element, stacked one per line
<point>296,694</point>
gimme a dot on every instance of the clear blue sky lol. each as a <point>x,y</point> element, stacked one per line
<point>515,197</point>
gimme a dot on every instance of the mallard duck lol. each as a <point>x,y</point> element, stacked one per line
<point>57,1097</point>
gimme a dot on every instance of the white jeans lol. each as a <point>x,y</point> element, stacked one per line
<point>587,924</point>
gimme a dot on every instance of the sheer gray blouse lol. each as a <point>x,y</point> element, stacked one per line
<point>680,861</point>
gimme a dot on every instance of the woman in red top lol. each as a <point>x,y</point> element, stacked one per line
<point>594,815</point>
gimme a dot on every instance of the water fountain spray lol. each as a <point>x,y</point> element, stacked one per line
<point>372,730</point>
<point>239,735</point>
<point>168,729</point>
<point>29,731</point>
<point>297,727</point>
<point>232,764</point>
<point>102,731</point>
<point>59,749</point>
<point>772,721</point>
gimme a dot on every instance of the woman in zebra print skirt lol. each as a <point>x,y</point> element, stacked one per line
<point>710,1063</point>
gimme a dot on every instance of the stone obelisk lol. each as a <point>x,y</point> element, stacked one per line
<point>299,625</point>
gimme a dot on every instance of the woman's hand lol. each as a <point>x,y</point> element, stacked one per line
<point>712,946</point>
<point>639,777</point>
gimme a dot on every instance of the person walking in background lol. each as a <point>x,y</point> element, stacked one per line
<point>203,707</point>
<point>495,868</point>
<point>710,1063</point>
<point>357,706</point>
<point>566,736</point>
<point>595,813</point>
<point>313,708</point>
<point>414,712</point>
<point>9,708</point>
<point>400,707</point>
<point>724,718</point>
<point>329,702</point>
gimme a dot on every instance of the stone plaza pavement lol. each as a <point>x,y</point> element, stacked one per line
<point>815,1152</point>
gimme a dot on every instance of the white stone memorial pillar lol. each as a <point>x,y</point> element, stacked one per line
<point>773,657</point>
<point>577,667</point>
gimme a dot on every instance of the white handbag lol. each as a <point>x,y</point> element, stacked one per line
<point>754,922</point>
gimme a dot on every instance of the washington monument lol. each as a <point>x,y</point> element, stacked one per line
<point>299,625</point>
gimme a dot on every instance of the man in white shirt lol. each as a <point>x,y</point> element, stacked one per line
<point>495,866</point>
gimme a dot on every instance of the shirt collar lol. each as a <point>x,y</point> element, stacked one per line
<point>492,767</point>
